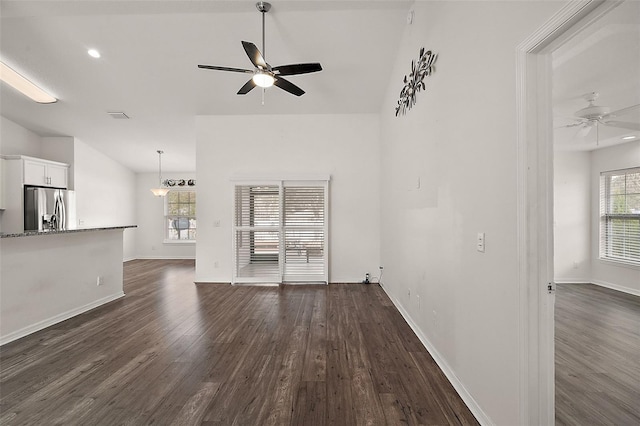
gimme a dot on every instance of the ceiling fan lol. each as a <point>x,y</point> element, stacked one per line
<point>264,75</point>
<point>595,115</point>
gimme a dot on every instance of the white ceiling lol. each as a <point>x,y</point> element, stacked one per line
<point>148,69</point>
<point>604,58</point>
<point>150,51</point>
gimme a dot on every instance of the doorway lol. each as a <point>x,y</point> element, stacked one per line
<point>535,203</point>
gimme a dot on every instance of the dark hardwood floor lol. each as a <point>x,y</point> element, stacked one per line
<point>173,352</point>
<point>597,356</point>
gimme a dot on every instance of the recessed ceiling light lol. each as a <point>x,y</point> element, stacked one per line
<point>628,138</point>
<point>24,86</point>
<point>93,53</point>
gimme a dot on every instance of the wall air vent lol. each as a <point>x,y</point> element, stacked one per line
<point>118,115</point>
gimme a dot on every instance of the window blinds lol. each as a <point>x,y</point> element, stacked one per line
<point>257,233</point>
<point>620,215</point>
<point>304,233</point>
<point>280,232</point>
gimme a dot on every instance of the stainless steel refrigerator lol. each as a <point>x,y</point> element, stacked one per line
<point>47,209</point>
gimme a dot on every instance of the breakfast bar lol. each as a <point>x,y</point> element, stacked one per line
<point>49,276</point>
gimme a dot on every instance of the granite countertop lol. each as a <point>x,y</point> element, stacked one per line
<point>63,231</point>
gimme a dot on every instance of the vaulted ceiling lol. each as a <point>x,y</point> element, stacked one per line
<point>148,68</point>
<point>150,52</point>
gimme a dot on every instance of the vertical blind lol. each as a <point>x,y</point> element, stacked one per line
<point>620,215</point>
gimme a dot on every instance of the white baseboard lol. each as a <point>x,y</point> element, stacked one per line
<point>617,287</point>
<point>128,259</point>
<point>166,257</point>
<point>570,281</point>
<point>56,319</point>
<point>471,403</point>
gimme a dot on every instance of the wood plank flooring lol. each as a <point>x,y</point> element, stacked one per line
<point>176,353</point>
<point>597,356</point>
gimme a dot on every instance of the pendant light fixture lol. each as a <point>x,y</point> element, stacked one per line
<point>160,191</point>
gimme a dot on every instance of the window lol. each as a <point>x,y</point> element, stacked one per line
<point>620,216</point>
<point>180,216</point>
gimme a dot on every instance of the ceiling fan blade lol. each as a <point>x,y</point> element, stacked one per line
<point>569,125</point>
<point>622,111</point>
<point>254,55</point>
<point>288,86</point>
<point>213,67</point>
<point>623,125</point>
<point>248,86</point>
<point>295,69</point>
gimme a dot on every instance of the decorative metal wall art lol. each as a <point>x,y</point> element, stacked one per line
<point>179,182</point>
<point>413,82</point>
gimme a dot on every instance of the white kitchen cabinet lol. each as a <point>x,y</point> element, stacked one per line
<point>45,173</point>
<point>20,170</point>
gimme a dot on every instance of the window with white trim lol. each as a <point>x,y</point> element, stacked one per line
<point>620,216</point>
<point>180,216</point>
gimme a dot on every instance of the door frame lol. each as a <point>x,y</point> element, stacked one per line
<point>535,205</point>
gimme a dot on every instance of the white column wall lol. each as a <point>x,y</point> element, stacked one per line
<point>105,193</point>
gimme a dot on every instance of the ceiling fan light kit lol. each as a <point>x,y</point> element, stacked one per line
<point>264,75</point>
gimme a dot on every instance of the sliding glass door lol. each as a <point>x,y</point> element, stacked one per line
<point>280,232</point>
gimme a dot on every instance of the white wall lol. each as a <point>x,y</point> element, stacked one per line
<point>16,140</point>
<point>460,142</point>
<point>105,193</point>
<point>610,274</point>
<point>572,217</point>
<point>345,146</point>
<point>150,219</point>
<point>61,149</point>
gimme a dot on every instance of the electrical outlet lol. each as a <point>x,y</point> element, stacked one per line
<point>216,264</point>
<point>100,280</point>
<point>216,224</point>
<point>418,300</point>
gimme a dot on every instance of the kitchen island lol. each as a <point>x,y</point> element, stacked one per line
<point>49,276</point>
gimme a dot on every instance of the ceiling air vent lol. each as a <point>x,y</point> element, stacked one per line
<point>118,115</point>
